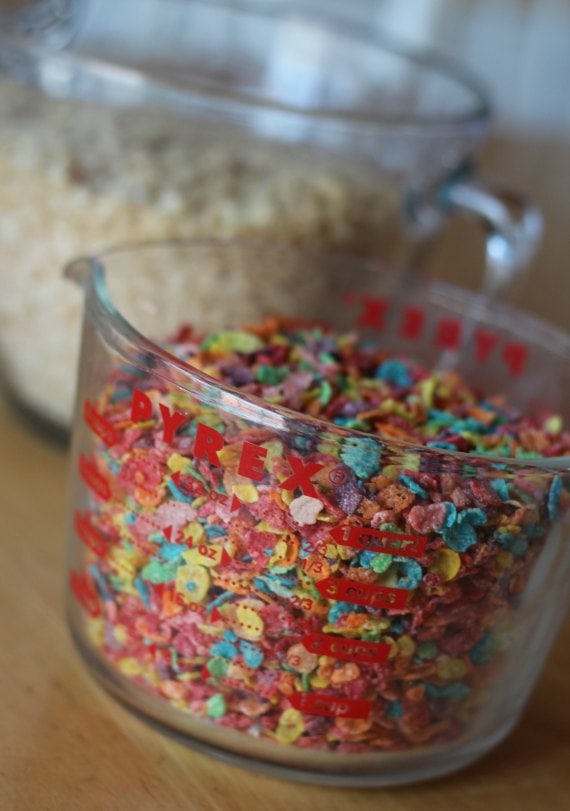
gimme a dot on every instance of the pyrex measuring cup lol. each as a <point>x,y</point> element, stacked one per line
<point>184,119</point>
<point>325,647</point>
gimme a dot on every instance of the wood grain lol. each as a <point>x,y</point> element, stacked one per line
<point>66,745</point>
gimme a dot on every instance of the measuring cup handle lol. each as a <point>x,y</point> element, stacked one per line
<point>513,224</point>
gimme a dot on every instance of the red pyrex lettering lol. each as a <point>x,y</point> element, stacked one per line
<point>350,650</point>
<point>351,591</point>
<point>447,333</point>
<point>85,592</point>
<point>93,478</point>
<point>98,424</point>
<point>89,535</point>
<point>375,540</point>
<point>208,442</point>
<point>331,705</point>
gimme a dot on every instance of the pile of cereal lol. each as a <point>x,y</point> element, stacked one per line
<point>75,178</point>
<point>314,587</point>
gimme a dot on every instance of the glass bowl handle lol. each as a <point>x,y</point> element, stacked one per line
<point>513,224</point>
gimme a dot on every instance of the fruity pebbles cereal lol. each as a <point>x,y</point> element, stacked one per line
<point>342,581</point>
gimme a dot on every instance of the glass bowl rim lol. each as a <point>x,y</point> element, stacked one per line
<point>237,103</point>
<point>90,272</point>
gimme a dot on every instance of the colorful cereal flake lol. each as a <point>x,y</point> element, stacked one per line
<point>202,585</point>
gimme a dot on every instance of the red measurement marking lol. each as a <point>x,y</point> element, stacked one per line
<point>188,486</point>
<point>98,424</point>
<point>485,342</point>
<point>412,323</point>
<point>373,312</point>
<point>351,591</point>
<point>93,478</point>
<point>448,335</point>
<point>85,592</point>
<point>235,505</point>
<point>225,558</point>
<point>89,535</point>
<point>375,540</point>
<point>351,650</point>
<point>215,616</point>
<point>515,356</point>
<point>330,705</point>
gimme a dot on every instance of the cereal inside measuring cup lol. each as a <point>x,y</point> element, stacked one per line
<point>346,583</point>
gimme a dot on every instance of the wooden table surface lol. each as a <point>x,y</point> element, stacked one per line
<point>66,745</point>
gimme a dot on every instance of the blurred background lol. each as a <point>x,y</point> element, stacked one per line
<point>521,51</point>
<point>74,176</point>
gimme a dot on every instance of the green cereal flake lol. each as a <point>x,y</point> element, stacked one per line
<point>553,424</point>
<point>233,341</point>
<point>326,392</point>
<point>217,667</point>
<point>216,706</point>
<point>157,572</point>
<point>381,563</point>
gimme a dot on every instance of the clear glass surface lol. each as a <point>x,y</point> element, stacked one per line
<point>380,678</point>
<point>193,119</point>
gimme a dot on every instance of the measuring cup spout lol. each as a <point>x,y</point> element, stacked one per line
<point>81,271</point>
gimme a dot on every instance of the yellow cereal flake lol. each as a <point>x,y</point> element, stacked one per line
<point>291,726</point>
<point>505,559</point>
<point>192,582</point>
<point>208,555</point>
<point>406,646</point>
<point>194,532</point>
<point>121,634</point>
<point>248,623</point>
<point>177,463</point>
<point>131,667</point>
<point>446,563</point>
<point>451,669</point>
<point>246,493</point>
<point>263,526</point>
<point>96,631</point>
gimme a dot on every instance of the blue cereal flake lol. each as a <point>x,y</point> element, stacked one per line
<point>413,573</point>
<point>461,535</point>
<point>413,486</point>
<point>554,496</point>
<point>252,655</point>
<point>365,559</point>
<point>224,649</point>
<point>172,551</point>
<point>394,710</point>
<point>143,590</point>
<point>338,609</point>
<point>450,514</point>
<point>215,531</point>
<point>454,691</point>
<point>513,542</point>
<point>501,489</point>
<point>178,494</point>
<point>362,455</point>
<point>394,371</point>
<point>483,650</point>
<point>444,446</point>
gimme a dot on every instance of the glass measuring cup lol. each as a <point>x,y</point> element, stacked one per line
<point>198,599</point>
<point>185,119</point>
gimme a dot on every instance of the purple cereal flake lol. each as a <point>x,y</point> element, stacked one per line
<point>348,498</point>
